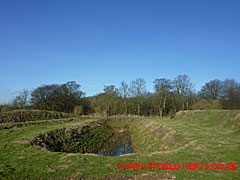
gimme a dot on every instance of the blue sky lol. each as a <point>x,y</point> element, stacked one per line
<point>98,43</point>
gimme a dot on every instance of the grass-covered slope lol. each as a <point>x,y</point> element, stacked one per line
<point>149,136</point>
<point>222,118</point>
<point>30,115</point>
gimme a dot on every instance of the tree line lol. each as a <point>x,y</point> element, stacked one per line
<point>169,97</point>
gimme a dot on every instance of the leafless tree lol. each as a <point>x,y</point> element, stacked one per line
<point>138,90</point>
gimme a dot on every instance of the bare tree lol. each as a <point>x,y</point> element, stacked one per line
<point>231,94</point>
<point>211,90</point>
<point>162,90</point>
<point>109,97</point>
<point>22,100</point>
<point>184,90</point>
<point>138,90</point>
<point>124,94</point>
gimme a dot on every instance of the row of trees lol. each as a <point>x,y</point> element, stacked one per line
<point>169,96</point>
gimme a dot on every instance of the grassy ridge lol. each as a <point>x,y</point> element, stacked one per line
<point>31,123</point>
<point>222,118</point>
<point>31,115</point>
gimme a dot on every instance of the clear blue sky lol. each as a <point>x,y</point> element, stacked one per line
<point>102,42</point>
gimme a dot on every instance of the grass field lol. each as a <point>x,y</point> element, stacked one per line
<point>190,137</point>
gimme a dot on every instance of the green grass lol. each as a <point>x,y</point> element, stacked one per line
<point>207,137</point>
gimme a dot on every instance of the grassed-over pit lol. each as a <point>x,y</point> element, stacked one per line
<point>111,137</point>
<point>95,137</point>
